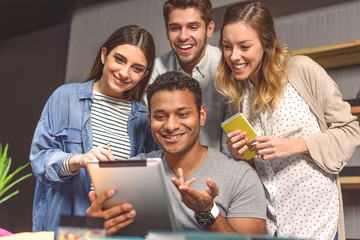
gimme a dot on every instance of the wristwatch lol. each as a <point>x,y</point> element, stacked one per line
<point>206,218</point>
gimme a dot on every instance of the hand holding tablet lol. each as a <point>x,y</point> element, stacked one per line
<point>140,183</point>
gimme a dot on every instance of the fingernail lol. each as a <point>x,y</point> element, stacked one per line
<point>111,193</point>
<point>132,214</point>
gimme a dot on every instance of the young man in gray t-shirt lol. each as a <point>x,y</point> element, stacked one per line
<point>208,190</point>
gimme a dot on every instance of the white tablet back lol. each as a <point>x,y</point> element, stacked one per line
<point>141,183</point>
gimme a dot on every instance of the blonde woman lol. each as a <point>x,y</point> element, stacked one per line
<point>278,93</point>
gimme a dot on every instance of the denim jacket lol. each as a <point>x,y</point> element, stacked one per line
<point>63,129</point>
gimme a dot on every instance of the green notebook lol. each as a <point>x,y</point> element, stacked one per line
<point>239,122</point>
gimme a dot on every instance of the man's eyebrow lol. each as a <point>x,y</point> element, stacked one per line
<point>194,23</point>
<point>190,23</point>
<point>178,109</point>
<point>158,110</point>
<point>183,108</point>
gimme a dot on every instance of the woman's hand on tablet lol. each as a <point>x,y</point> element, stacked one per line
<point>78,161</point>
<point>116,217</point>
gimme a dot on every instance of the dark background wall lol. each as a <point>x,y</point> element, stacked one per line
<point>32,66</point>
<point>34,40</point>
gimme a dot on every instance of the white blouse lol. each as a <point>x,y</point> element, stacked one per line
<point>303,200</point>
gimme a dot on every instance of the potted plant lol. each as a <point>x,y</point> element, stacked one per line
<point>5,178</point>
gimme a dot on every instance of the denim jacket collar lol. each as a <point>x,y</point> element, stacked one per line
<point>85,90</point>
<point>135,109</point>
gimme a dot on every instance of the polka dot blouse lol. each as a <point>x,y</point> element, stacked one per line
<point>302,199</point>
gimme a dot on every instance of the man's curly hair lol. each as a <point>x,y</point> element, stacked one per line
<point>175,81</point>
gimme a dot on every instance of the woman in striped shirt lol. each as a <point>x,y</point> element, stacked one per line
<point>79,119</point>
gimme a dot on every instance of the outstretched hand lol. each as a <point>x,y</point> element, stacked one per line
<point>194,199</point>
<point>116,217</point>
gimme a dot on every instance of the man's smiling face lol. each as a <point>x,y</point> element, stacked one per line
<point>187,35</point>
<point>175,120</point>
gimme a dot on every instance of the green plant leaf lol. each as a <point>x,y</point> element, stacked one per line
<point>13,183</point>
<point>8,178</point>
<point>5,164</point>
<point>9,196</point>
<point>3,160</point>
<point>5,172</point>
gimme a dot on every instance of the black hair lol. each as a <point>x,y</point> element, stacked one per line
<point>175,81</point>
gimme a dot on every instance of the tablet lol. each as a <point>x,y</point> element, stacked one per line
<point>141,183</point>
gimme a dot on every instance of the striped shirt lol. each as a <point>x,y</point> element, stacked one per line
<point>109,117</point>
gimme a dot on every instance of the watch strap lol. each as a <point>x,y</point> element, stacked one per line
<point>207,218</point>
<point>215,210</point>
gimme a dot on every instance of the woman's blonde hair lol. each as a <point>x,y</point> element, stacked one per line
<point>272,72</point>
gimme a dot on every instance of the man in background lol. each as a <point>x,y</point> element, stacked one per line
<point>188,25</point>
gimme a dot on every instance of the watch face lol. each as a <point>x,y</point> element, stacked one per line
<point>205,219</point>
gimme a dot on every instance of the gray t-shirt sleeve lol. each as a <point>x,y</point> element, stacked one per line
<point>241,193</point>
<point>248,197</point>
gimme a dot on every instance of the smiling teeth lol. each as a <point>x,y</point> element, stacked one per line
<point>185,46</point>
<point>173,137</point>
<point>240,67</point>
